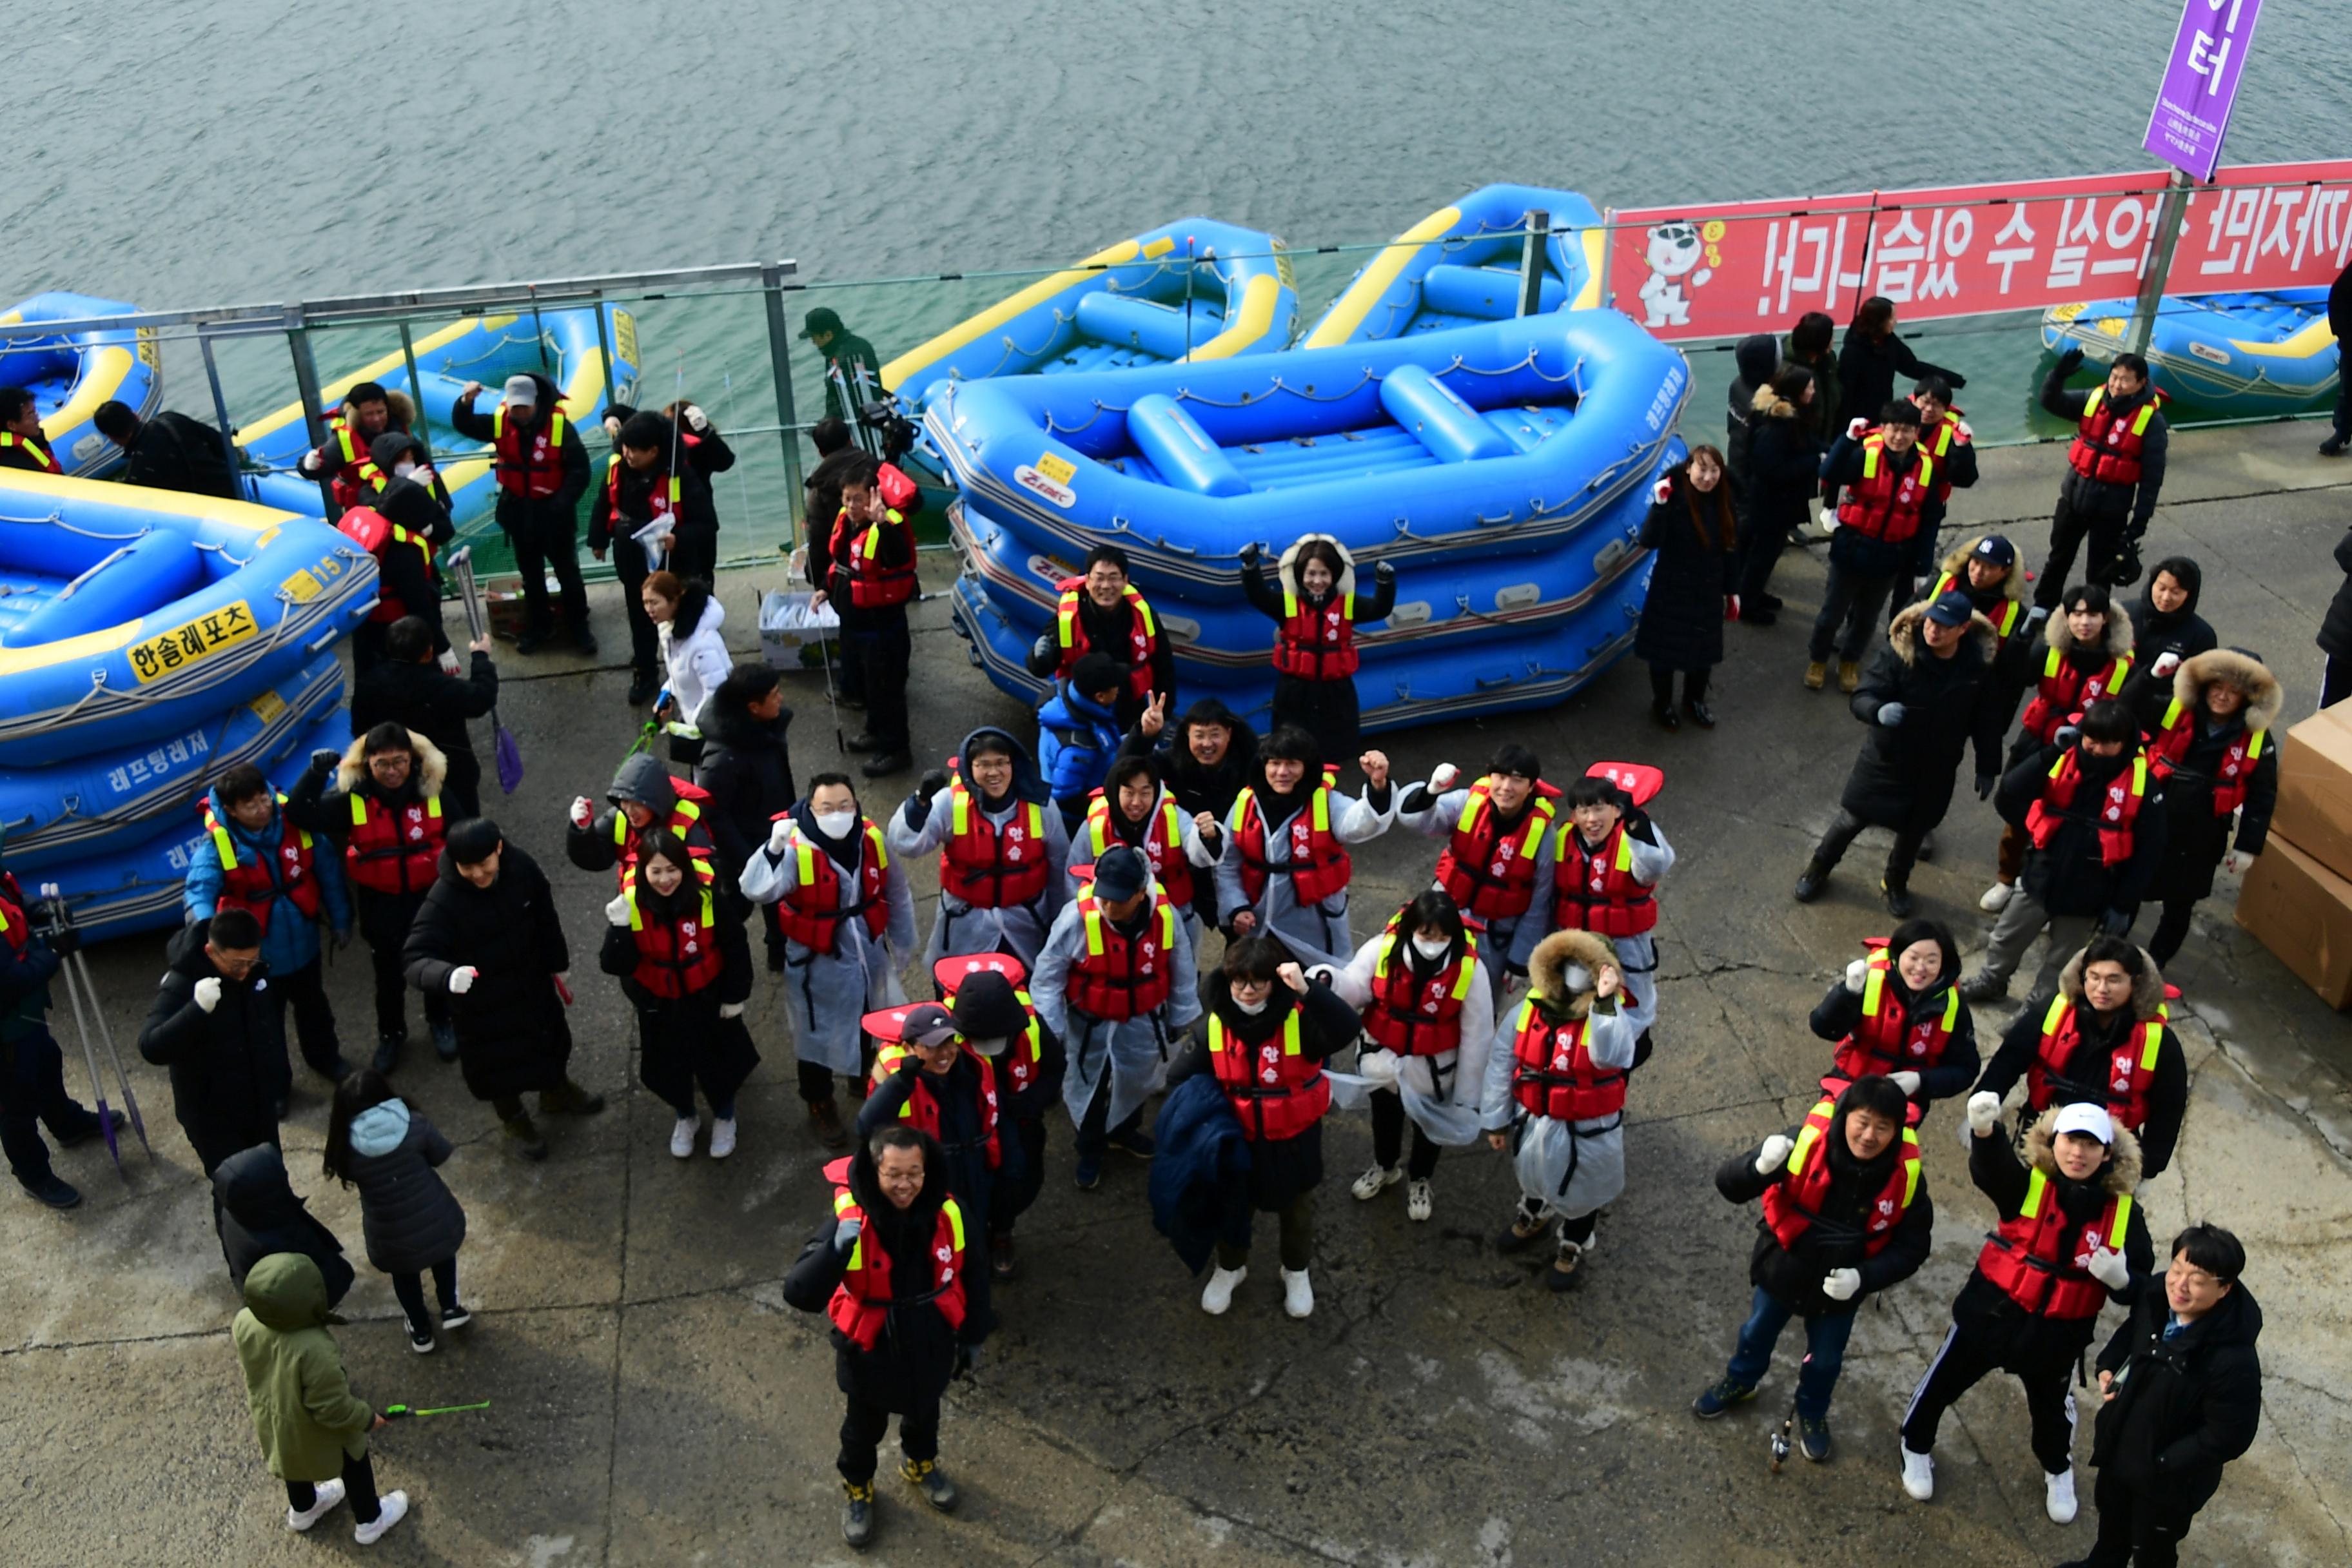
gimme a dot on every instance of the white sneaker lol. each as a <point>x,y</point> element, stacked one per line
<point>1417,1200</point>
<point>1918,1473</point>
<point>1996,898</point>
<point>1219,1293</point>
<point>722,1139</point>
<point>2061,1501</point>
<point>330,1493</point>
<point>1298,1295</point>
<point>1368,1186</point>
<point>395,1508</point>
<point>681,1137</point>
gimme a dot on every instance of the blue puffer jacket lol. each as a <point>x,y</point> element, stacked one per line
<point>1076,741</point>
<point>289,942</point>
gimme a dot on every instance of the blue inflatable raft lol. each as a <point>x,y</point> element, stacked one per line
<point>1460,266</point>
<point>2234,355</point>
<point>70,374</point>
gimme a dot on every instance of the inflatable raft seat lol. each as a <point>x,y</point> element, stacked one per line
<point>1380,449</point>
<point>55,583</point>
<point>1453,296</point>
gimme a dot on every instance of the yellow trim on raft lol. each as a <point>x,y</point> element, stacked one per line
<point>974,328</point>
<point>1595,241</point>
<point>1250,322</point>
<point>103,371</point>
<point>331,391</point>
<point>2313,339</point>
<point>1348,312</point>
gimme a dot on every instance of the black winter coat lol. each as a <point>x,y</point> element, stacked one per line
<point>2335,627</point>
<point>694,525</point>
<point>1757,357</point>
<point>2195,839</point>
<point>2183,1407</point>
<point>684,1042</point>
<point>228,1066</point>
<point>1695,565</point>
<point>174,452</point>
<point>1837,1014</point>
<point>423,698</point>
<point>1197,788</point>
<point>512,1034</point>
<point>258,1214</point>
<point>747,766</point>
<point>1821,416</point>
<point>1281,1169</point>
<point>1795,1276</point>
<point>1784,466</point>
<point>2086,1070</point>
<point>1868,370</point>
<point>964,1155</point>
<point>2182,633</point>
<point>2102,498</point>
<point>408,1216</point>
<point>2072,876</point>
<point>1903,779</point>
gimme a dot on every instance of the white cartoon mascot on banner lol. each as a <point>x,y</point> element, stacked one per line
<point>1674,251</point>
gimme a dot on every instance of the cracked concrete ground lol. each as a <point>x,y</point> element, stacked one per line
<point>655,1403</point>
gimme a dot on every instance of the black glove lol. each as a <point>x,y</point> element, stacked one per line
<point>1251,554</point>
<point>2125,569</point>
<point>1514,971</point>
<point>1984,784</point>
<point>323,759</point>
<point>65,942</point>
<point>2068,361</point>
<point>932,783</point>
<point>1637,824</point>
<point>1955,380</point>
<point>1384,573</point>
<point>2115,922</point>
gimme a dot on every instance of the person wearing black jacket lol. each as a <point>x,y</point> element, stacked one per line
<point>2180,1391</point>
<point>1876,542</point>
<point>2219,762</point>
<point>1895,1031</point>
<point>1811,346</point>
<point>542,471</point>
<point>2115,473</point>
<point>23,442</point>
<point>2339,322</point>
<point>1784,468</point>
<point>1105,624</point>
<point>1874,359</point>
<point>657,473</point>
<point>870,550</point>
<point>2166,631</point>
<point>1206,759</point>
<point>31,1067</point>
<point>1950,445</point>
<point>256,1213</point>
<point>169,451</point>
<point>1756,360</point>
<point>1316,609</point>
<point>2335,631</point>
<point>1692,529</point>
<point>223,1040</point>
<point>837,455</point>
<point>1029,1063</point>
<point>747,766</point>
<point>410,689</point>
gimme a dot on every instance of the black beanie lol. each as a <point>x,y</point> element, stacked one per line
<point>986,1008</point>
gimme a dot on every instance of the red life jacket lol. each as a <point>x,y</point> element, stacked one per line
<point>393,851</point>
<point>356,473</point>
<point>2011,615</point>
<point>1142,634</point>
<point>1276,1090</point>
<point>923,1107</point>
<point>1490,877</point>
<point>862,1303</point>
<point>1883,504</point>
<point>1556,1074</point>
<point>2131,1066</point>
<point>988,867</point>
<point>1119,977</point>
<point>1416,1017</point>
<point>810,911</point>
<point>872,585</point>
<point>685,817</point>
<point>1793,1202</point>
<point>1597,891</point>
<point>2126,792</point>
<point>1936,442</point>
<point>2237,769</point>
<point>533,472</point>
<point>14,929</point>
<point>1884,1040</point>
<point>1162,845</point>
<point>379,536</point>
<point>293,872</point>
<point>2042,1260</point>
<point>676,958</point>
<point>2065,691</point>
<point>2108,445</point>
<point>39,450</point>
<point>662,499</point>
<point>1317,644</point>
<point>1320,865</point>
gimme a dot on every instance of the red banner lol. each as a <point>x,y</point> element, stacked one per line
<point>1724,270</point>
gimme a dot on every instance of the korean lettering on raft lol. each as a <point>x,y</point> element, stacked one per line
<point>157,764</point>
<point>157,657</point>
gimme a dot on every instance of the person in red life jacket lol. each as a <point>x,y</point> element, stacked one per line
<point>2213,749</point>
<point>414,689</point>
<point>215,1025</point>
<point>1270,1028</point>
<point>1284,868</point>
<point>401,517</point>
<point>1100,611</point>
<point>384,808</point>
<point>1500,831</point>
<point>994,1016</point>
<point>643,795</point>
<point>1134,809</point>
<point>1555,1097</point>
<point>703,448</point>
<point>1429,1023</point>
<point>346,461</point>
<point>838,899</point>
<point>685,966</point>
<point>1947,442</point>
<point>1846,1215</point>
<point>1898,1014</point>
<point>2087,655</point>
<point>251,857</point>
<point>1931,692</point>
<point>23,444</point>
<point>653,512</point>
<point>2092,808</point>
<point>1889,483</point>
<point>1608,858</point>
<point>1315,610</point>
<point>886,1267</point>
<point>872,547</point>
<point>542,471</point>
<point>1000,845</point>
<point>2115,471</point>
<point>1985,569</point>
<point>32,1067</point>
<point>1115,983</point>
<point>2103,1036</point>
<point>2070,1239</point>
<point>1693,534</point>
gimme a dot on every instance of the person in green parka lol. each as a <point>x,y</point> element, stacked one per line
<point>313,1430</point>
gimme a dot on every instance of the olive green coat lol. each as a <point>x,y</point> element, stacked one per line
<point>303,1409</point>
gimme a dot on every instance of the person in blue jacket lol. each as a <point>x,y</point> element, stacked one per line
<point>246,861</point>
<point>1078,733</point>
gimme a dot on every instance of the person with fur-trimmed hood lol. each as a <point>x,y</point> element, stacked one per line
<point>1002,848</point>
<point>1555,1096</point>
<point>1315,610</point>
<point>2212,746</point>
<point>2070,1239</point>
<point>1782,477</point>
<point>1985,569</point>
<point>346,463</point>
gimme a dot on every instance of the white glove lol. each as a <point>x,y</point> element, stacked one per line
<point>449,661</point>
<point>1909,1082</point>
<point>730,1009</point>
<point>461,980</point>
<point>697,418</point>
<point>1892,714</point>
<point>582,813</point>
<point>1856,973</point>
<point>1443,778</point>
<point>780,836</point>
<point>1774,1154</point>
<point>1381,1067</point>
<point>209,992</point>
<point>1829,519</point>
<point>1856,427</point>
<point>617,911</point>
<point>1984,1110</point>
<point>1841,1284</point>
<point>309,463</point>
<point>2108,1267</point>
<point>1966,434</point>
<point>2165,663</point>
<point>1662,492</point>
<point>2237,860</point>
<point>422,474</point>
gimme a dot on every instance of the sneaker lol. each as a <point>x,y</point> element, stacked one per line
<point>858,1514</point>
<point>1562,1274</point>
<point>568,1099</point>
<point>1813,1437</point>
<point>1297,1294</point>
<point>387,1050</point>
<point>1087,1172</point>
<point>1983,988</point>
<point>455,1318</point>
<point>1849,676</point>
<point>1134,1140</point>
<point>642,687</point>
<point>2059,1498</point>
<point>394,1508</point>
<point>1817,675</point>
<point>328,1495</point>
<point>529,1141</point>
<point>722,1137</point>
<point>1996,898</point>
<point>1810,881</point>
<point>681,1136</point>
<point>1718,1397</point>
<point>1218,1294</point>
<point>1368,1186</point>
<point>1003,1261</point>
<point>445,1040</point>
<point>926,1477</point>
<point>1899,902</point>
<point>825,1121</point>
<point>420,1339</point>
<point>55,1191</point>
<point>1918,1474</point>
<point>1417,1202</point>
<point>883,767</point>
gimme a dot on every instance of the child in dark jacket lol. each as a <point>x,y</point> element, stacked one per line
<point>1078,733</point>
<point>411,1220</point>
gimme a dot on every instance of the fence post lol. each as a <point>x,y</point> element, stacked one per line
<point>220,409</point>
<point>306,387</point>
<point>780,357</point>
<point>1531,260</point>
<point>2159,263</point>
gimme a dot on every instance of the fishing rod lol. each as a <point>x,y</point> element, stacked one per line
<point>402,1412</point>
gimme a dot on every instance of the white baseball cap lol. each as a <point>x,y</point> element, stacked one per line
<point>2087,1118</point>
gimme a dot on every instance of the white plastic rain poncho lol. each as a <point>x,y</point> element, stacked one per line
<point>1316,932</point>
<point>923,825</point>
<point>1637,956</point>
<point>1569,1168</point>
<point>1132,1054</point>
<point>1443,1094</point>
<point>828,992</point>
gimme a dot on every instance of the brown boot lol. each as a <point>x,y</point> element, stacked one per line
<point>824,1119</point>
<point>1817,675</point>
<point>1849,675</point>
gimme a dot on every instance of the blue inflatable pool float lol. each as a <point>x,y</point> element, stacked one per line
<point>129,615</point>
<point>562,345</point>
<point>70,374</point>
<point>1460,266</point>
<point>2235,355</point>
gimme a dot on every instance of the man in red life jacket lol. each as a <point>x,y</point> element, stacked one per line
<point>542,471</point>
<point>1133,807</point>
<point>1500,832</point>
<point>1889,483</point>
<point>872,546</point>
<point>1102,612</point>
<point>1000,845</point>
<point>401,517</point>
<point>21,442</point>
<point>655,481</point>
<point>345,461</point>
<point>2115,471</point>
<point>998,1020</point>
<point>1945,441</point>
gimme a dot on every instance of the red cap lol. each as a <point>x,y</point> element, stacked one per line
<point>951,973</point>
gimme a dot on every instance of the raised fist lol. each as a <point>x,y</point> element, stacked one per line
<point>1774,1154</point>
<point>1855,427</point>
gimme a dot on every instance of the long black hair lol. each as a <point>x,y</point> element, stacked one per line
<point>357,1091</point>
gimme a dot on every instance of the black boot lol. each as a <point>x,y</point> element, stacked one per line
<point>1664,712</point>
<point>1809,881</point>
<point>1898,891</point>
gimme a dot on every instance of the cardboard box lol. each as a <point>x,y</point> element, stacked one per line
<point>793,632</point>
<point>2302,912</point>
<point>2314,799</point>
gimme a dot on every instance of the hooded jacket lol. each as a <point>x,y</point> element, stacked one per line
<point>400,418</point>
<point>290,940</point>
<point>1077,737</point>
<point>2114,640</point>
<point>922,826</point>
<point>1784,461</point>
<point>1197,787</point>
<point>2167,1095</point>
<point>325,809</point>
<point>2182,633</point>
<point>1266,597</point>
<point>304,1412</point>
<point>644,779</point>
<point>259,1214</point>
<point>2071,877</point>
<point>695,520</point>
<point>683,1040</point>
<point>1758,358</point>
<point>747,766</point>
<point>1903,779</point>
<point>512,1034</point>
<point>421,509</point>
<point>174,452</point>
<point>1839,1014</point>
<point>2184,1406</point>
<point>408,1214</point>
<point>425,700</point>
<point>228,1066</point>
<point>553,516</point>
<point>1992,603</point>
<point>2195,839</point>
<point>694,653</point>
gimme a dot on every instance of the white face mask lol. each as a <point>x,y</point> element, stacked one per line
<point>835,824</point>
<point>1578,979</point>
<point>1432,947</point>
<point>987,1047</point>
<point>1253,1008</point>
<point>402,469</point>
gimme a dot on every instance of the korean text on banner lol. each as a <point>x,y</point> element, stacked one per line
<point>2267,226</point>
<point>2200,84</point>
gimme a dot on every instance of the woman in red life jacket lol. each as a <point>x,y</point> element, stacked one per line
<point>685,966</point>
<point>1500,832</point>
<point>1429,1021</point>
<point>2086,654</point>
<point>2213,749</point>
<point>1285,869</point>
<point>1898,1012</point>
<point>1690,530</point>
<point>1608,858</point>
<point>2070,1239</point>
<point>1315,610</point>
<point>1134,809</point>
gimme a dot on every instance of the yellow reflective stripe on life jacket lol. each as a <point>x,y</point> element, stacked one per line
<point>1093,917</point>
<point>955,1221</point>
<point>2149,1047</point>
<point>2172,715</point>
<point>1624,852</point>
<point>2036,1184</point>
<point>1910,1168</point>
<point>2009,616</point>
<point>2059,1008</point>
<point>1322,809</point>
<point>1874,989</point>
<point>1951,1010</point>
<point>2050,662</point>
<point>1143,613</point>
<point>2122,1222</point>
<point>2254,745</point>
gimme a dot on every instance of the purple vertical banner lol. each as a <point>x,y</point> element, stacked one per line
<point>2200,84</point>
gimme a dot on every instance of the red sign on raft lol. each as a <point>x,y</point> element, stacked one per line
<point>1725,270</point>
